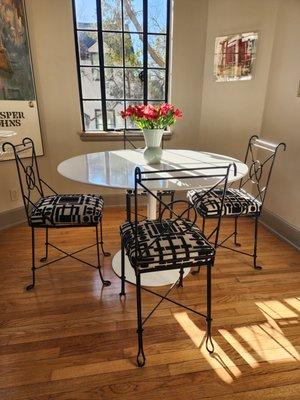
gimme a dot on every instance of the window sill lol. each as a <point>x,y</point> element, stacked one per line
<point>112,136</point>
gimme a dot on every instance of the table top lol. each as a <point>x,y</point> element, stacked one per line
<point>115,169</point>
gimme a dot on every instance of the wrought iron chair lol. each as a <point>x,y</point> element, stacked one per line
<point>55,210</point>
<point>247,199</point>
<point>167,244</point>
<point>166,194</point>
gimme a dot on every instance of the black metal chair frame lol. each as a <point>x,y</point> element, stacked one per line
<point>254,176</point>
<point>33,182</point>
<point>130,193</point>
<point>141,179</point>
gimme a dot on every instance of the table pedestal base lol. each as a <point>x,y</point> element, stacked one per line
<point>159,278</point>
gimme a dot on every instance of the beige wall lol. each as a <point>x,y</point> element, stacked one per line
<point>52,43</point>
<point>281,121</point>
<point>232,111</point>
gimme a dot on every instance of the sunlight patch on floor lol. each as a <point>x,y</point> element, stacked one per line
<point>224,367</point>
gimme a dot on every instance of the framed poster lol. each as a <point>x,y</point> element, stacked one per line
<point>18,105</point>
<point>235,56</point>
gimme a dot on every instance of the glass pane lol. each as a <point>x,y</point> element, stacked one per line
<point>157,16</point>
<point>133,84</point>
<point>88,48</point>
<point>92,115</point>
<point>133,50</point>
<point>156,84</point>
<point>157,51</point>
<point>90,82</point>
<point>114,84</point>
<point>133,15</point>
<point>86,14</point>
<point>111,15</point>
<point>112,47</point>
<point>114,119</point>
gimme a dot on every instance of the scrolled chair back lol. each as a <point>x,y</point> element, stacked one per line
<point>260,158</point>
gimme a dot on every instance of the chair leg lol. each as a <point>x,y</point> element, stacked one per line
<point>104,282</point>
<point>46,247</point>
<point>141,359</point>
<point>31,286</point>
<point>209,343</point>
<point>180,283</point>
<point>159,195</point>
<point>235,233</point>
<point>255,244</point>
<point>105,253</point>
<point>123,277</point>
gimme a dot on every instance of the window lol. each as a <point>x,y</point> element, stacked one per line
<point>122,54</point>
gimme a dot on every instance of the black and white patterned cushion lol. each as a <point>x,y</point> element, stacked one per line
<point>67,209</point>
<point>236,202</point>
<point>166,244</point>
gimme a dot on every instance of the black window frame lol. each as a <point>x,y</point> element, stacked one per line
<point>145,68</point>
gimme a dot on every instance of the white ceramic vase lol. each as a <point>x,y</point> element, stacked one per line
<point>153,151</point>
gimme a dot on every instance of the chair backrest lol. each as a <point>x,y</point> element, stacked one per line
<point>28,172</point>
<point>130,140</point>
<point>145,179</point>
<point>260,158</point>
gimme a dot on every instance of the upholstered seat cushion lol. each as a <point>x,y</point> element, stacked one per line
<point>236,202</point>
<point>67,209</point>
<point>166,244</point>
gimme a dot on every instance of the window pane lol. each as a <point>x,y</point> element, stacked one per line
<point>114,83</point>
<point>88,48</point>
<point>133,50</point>
<point>90,82</point>
<point>114,119</point>
<point>133,15</point>
<point>157,51</point>
<point>112,48</point>
<point>92,115</point>
<point>111,15</point>
<point>86,14</point>
<point>133,84</point>
<point>157,16</point>
<point>156,84</point>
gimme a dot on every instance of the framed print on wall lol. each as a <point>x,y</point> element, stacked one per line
<point>19,116</point>
<point>235,56</point>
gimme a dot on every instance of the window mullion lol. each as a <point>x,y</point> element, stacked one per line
<point>101,62</point>
<point>167,50</point>
<point>123,56</point>
<point>145,49</point>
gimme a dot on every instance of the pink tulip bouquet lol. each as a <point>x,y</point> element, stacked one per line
<point>152,117</point>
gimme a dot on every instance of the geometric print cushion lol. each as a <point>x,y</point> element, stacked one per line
<point>165,244</point>
<point>236,202</point>
<point>67,209</point>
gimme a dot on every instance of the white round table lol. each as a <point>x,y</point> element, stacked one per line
<point>115,169</point>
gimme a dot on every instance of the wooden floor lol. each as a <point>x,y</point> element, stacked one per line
<point>72,339</point>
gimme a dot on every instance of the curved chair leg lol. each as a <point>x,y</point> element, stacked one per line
<point>104,282</point>
<point>209,343</point>
<point>140,358</point>
<point>235,233</point>
<point>255,244</point>
<point>46,247</point>
<point>105,253</point>
<point>123,277</point>
<point>31,286</point>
